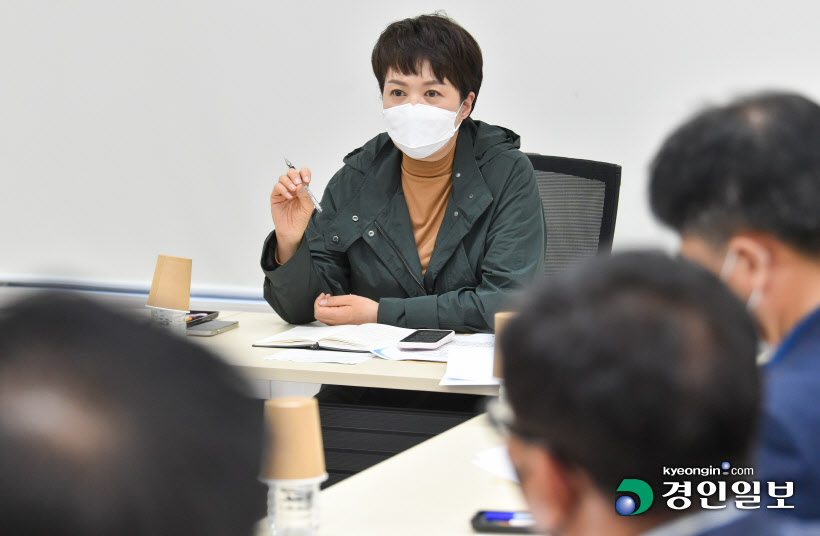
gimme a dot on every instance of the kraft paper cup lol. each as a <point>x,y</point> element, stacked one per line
<point>501,320</point>
<point>293,446</point>
<point>171,286</point>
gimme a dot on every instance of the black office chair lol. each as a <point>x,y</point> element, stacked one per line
<point>580,200</point>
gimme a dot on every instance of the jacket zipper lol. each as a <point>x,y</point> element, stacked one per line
<point>403,260</point>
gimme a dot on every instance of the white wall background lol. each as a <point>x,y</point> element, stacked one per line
<point>132,128</point>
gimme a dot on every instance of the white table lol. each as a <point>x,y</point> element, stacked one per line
<point>235,347</point>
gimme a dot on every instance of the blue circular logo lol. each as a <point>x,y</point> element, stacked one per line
<point>725,466</point>
<point>625,505</point>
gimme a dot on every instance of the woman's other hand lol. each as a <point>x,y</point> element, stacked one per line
<point>348,309</point>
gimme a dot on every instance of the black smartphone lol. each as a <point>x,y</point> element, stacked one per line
<point>199,317</point>
<point>503,522</point>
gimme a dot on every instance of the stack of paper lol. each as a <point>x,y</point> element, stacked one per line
<point>465,366</point>
<point>481,344</point>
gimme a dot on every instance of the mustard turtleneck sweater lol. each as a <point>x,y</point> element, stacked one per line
<point>427,187</point>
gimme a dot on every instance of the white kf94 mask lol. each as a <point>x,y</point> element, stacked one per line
<point>420,130</point>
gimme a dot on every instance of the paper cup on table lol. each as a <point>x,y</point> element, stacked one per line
<point>293,465</point>
<point>500,321</point>
<point>170,295</point>
<point>293,446</point>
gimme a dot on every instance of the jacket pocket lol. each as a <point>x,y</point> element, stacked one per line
<point>457,273</point>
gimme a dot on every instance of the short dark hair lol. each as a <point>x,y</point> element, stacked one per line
<point>452,52</point>
<point>109,426</point>
<point>751,165</point>
<point>633,363</point>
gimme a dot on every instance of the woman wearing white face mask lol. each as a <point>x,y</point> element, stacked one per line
<point>427,226</point>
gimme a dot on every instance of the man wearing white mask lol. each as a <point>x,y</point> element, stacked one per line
<point>429,225</point>
<point>741,184</point>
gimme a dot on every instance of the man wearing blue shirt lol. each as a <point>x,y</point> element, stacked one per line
<point>741,184</point>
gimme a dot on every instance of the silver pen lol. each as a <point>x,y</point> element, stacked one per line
<point>305,186</point>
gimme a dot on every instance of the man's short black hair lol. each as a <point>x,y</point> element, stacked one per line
<point>633,363</point>
<point>108,426</point>
<point>753,165</point>
<point>452,52</point>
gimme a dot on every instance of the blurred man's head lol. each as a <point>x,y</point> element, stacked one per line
<point>628,365</point>
<point>741,184</point>
<point>108,426</point>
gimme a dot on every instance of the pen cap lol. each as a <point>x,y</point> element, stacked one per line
<point>500,320</point>
<point>171,287</point>
<point>293,440</point>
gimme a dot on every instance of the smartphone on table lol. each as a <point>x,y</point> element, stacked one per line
<point>503,522</point>
<point>426,339</point>
<point>211,328</point>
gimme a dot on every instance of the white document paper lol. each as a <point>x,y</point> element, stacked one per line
<point>465,366</point>
<point>320,356</point>
<point>496,461</point>
<point>481,344</point>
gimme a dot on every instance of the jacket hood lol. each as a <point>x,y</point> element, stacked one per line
<point>488,141</point>
<point>491,140</point>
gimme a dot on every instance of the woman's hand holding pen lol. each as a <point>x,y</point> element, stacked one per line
<point>290,208</point>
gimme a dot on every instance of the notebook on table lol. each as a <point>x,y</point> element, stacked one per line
<point>361,338</point>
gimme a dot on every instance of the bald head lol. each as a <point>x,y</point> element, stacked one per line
<point>51,419</point>
<point>752,165</point>
<point>108,426</point>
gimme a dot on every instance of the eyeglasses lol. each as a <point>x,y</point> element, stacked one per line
<point>502,418</point>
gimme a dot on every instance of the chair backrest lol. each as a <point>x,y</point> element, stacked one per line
<point>580,200</point>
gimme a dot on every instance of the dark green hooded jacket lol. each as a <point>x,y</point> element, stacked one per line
<point>491,240</point>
